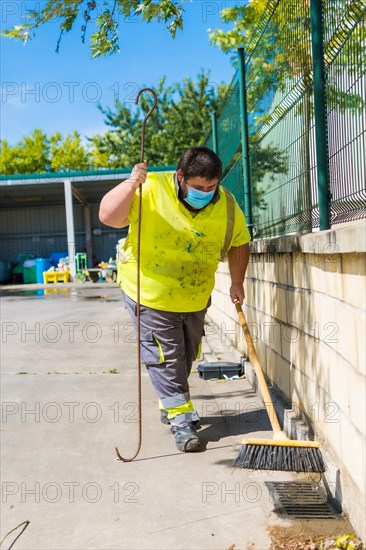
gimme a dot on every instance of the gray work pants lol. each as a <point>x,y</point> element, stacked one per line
<point>170,343</point>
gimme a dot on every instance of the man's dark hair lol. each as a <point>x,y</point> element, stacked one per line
<point>200,162</point>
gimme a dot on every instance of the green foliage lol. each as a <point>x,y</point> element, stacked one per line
<point>275,60</point>
<point>104,40</point>
<point>39,154</point>
<point>6,157</point>
<point>265,160</point>
<point>245,19</point>
<point>27,156</point>
<point>19,32</point>
<point>68,154</point>
<point>180,120</point>
<point>282,57</point>
<point>164,11</point>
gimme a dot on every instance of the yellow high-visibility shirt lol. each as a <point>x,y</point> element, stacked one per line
<point>180,249</point>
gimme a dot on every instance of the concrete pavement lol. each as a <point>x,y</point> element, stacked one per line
<point>69,397</point>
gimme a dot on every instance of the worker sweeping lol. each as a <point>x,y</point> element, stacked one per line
<point>189,223</point>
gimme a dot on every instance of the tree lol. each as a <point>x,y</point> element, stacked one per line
<point>68,154</point>
<point>27,156</point>
<point>39,154</point>
<point>180,120</point>
<point>106,13</point>
<point>7,157</point>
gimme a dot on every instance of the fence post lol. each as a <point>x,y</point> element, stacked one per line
<point>215,143</point>
<point>245,140</point>
<point>320,112</point>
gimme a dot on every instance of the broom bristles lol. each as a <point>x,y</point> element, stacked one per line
<point>274,456</point>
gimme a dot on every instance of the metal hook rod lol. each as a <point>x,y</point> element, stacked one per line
<point>139,404</point>
<point>146,117</point>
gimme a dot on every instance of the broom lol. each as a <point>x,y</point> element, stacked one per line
<point>279,453</point>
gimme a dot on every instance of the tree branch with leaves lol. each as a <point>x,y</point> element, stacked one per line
<point>106,13</point>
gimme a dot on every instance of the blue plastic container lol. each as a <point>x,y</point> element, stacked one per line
<point>42,264</point>
<point>55,257</point>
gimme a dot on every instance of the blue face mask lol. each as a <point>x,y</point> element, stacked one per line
<point>198,199</point>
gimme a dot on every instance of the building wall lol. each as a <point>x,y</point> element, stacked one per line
<point>42,230</point>
<point>305,306</point>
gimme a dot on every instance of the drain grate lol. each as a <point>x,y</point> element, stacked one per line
<point>301,500</point>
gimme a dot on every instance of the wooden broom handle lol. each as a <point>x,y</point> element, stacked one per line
<point>258,370</point>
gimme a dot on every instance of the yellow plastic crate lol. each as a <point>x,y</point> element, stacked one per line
<point>56,276</point>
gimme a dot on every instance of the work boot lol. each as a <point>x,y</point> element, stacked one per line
<point>186,437</point>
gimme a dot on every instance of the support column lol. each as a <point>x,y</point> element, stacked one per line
<point>88,236</point>
<point>245,141</point>
<point>215,143</point>
<point>70,227</point>
<point>320,112</point>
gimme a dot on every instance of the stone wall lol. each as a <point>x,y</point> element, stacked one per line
<point>305,306</point>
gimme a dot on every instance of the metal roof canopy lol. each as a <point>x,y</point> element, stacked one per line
<point>48,189</point>
<point>55,189</point>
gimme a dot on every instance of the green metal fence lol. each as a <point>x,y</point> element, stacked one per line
<point>228,125</point>
<point>345,64</point>
<point>299,104</point>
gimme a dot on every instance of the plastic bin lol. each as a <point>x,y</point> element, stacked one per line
<point>208,371</point>
<point>55,257</point>
<point>29,271</point>
<point>42,264</point>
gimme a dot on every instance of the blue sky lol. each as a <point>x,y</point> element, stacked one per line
<point>42,89</point>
